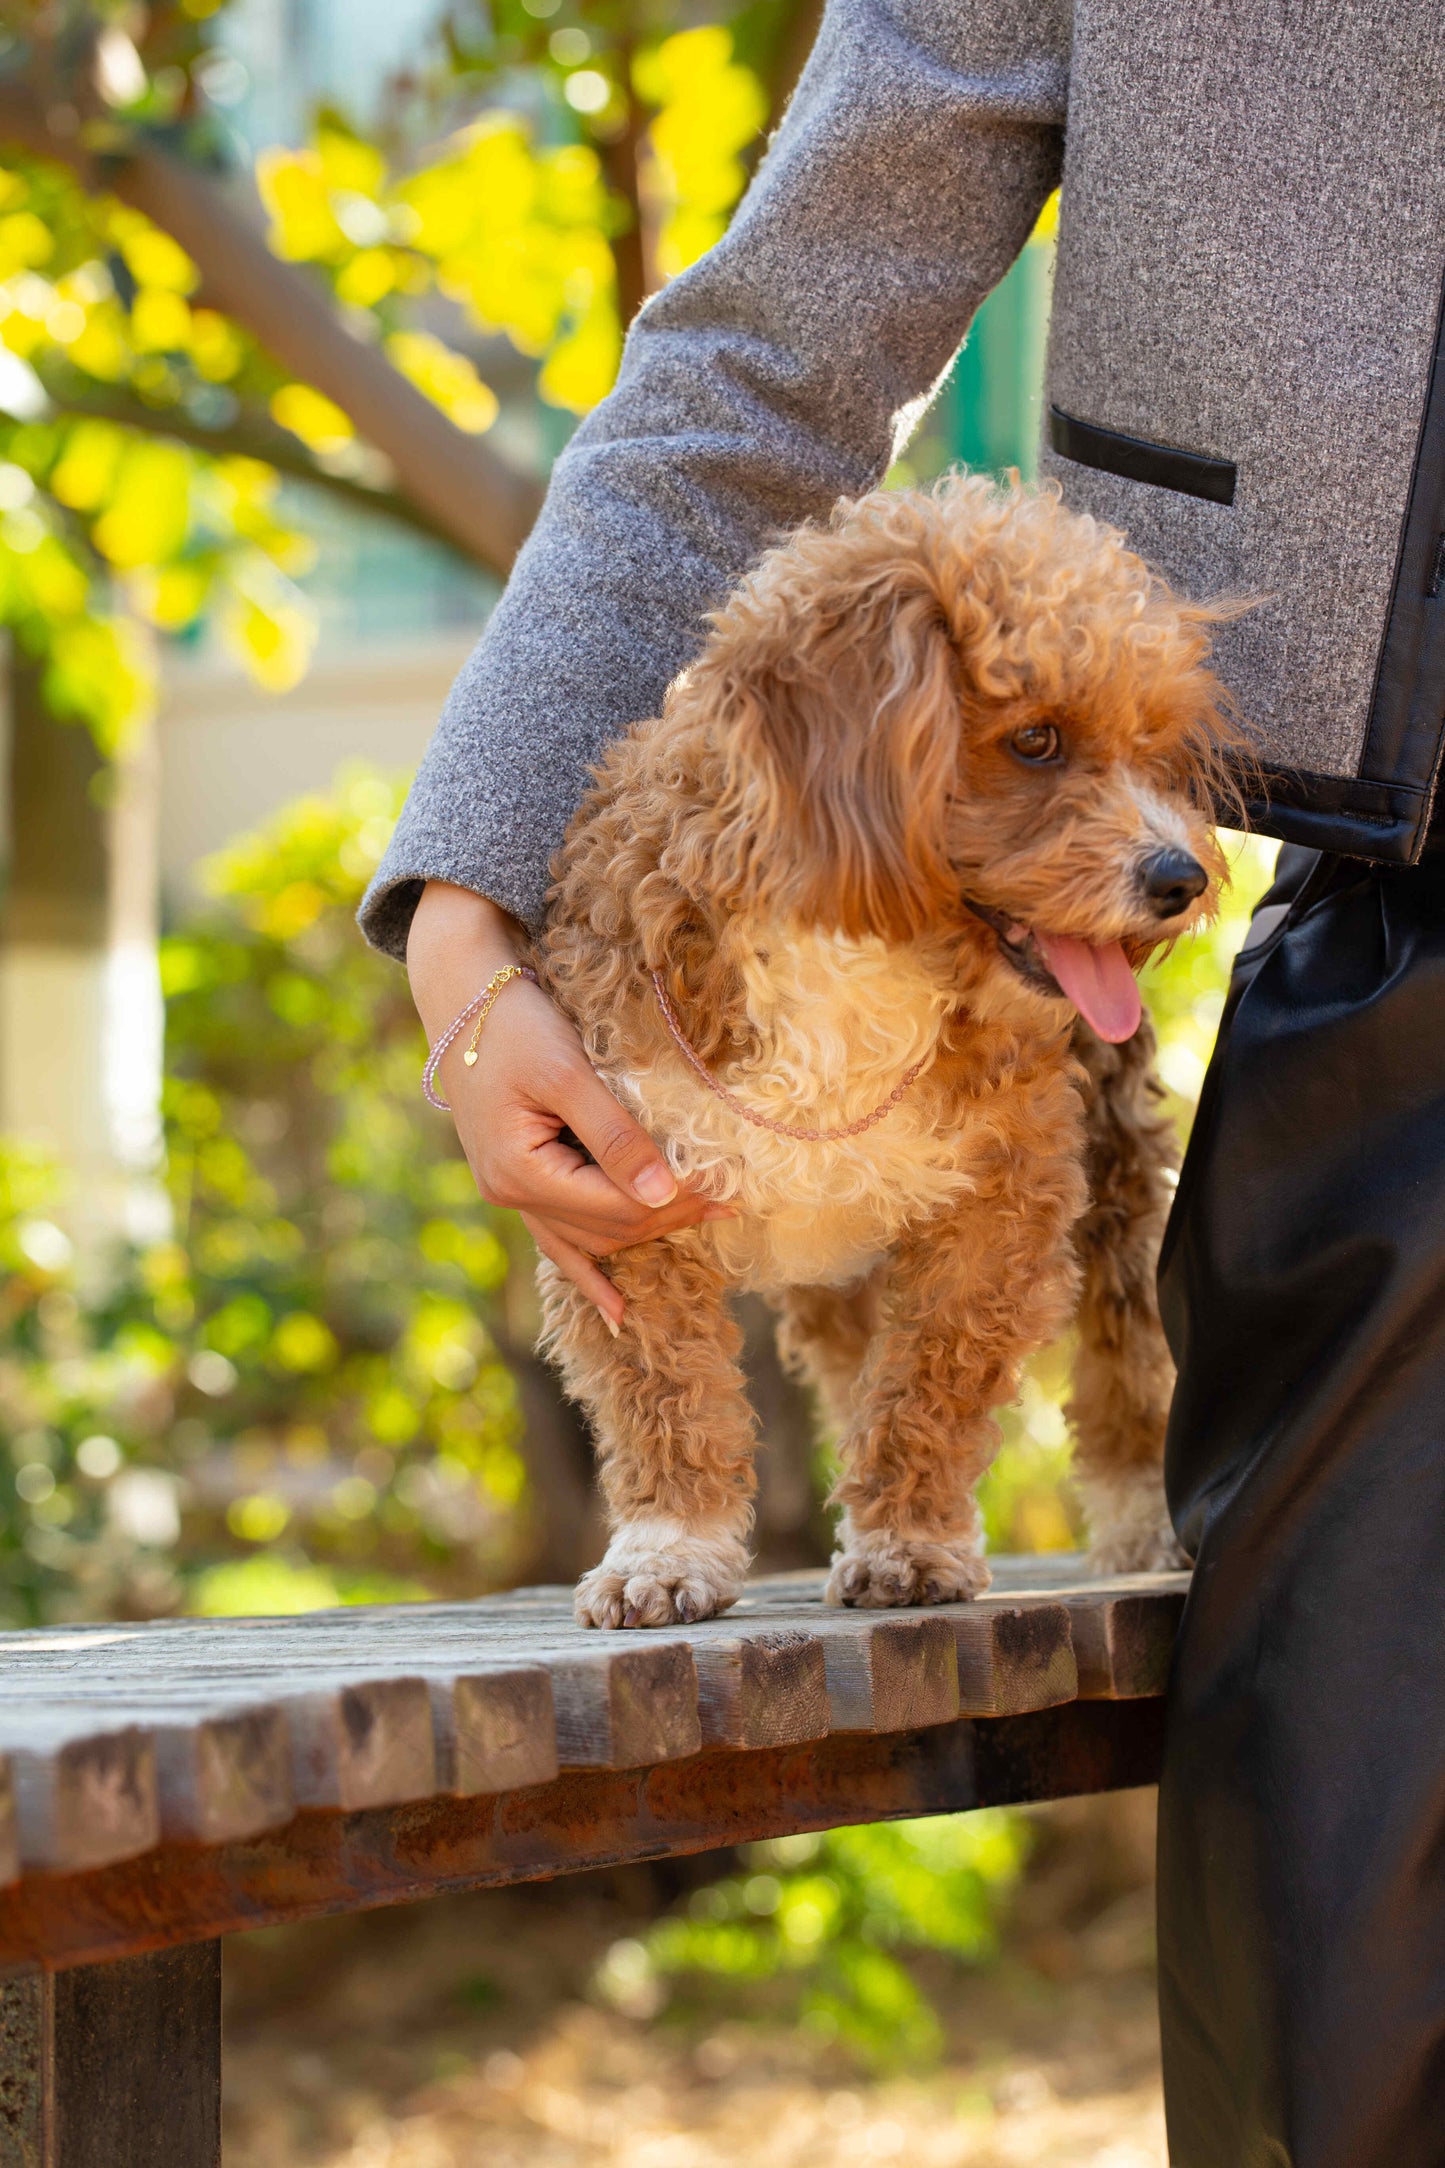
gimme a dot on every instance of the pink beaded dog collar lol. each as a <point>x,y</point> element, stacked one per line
<point>761,1121</point>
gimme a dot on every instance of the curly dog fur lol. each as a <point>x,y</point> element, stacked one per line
<point>791,845</point>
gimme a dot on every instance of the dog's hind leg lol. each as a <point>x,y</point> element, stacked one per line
<point>966,1301</point>
<point>1123,1375</point>
<point>823,1336</point>
<point>673,1430</point>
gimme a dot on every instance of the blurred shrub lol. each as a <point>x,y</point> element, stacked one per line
<point>816,1929</point>
<point>299,1397</point>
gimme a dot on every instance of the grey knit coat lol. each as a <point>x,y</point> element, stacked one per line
<point>1245,373</point>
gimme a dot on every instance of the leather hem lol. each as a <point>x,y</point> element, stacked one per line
<point>1352,815</point>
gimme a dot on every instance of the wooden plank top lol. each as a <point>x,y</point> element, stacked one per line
<point>118,1740</point>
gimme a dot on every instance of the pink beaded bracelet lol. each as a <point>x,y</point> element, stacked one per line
<point>480,1008</point>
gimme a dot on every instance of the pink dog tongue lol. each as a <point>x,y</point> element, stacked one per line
<point>1098,981</point>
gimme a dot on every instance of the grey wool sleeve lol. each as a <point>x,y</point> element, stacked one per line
<point>769,380</point>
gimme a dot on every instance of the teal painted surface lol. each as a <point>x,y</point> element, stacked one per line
<point>990,409</point>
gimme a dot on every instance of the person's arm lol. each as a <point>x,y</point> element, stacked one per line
<point>772,378</point>
<point>756,389</point>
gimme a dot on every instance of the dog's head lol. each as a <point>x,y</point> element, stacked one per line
<point>970,710</point>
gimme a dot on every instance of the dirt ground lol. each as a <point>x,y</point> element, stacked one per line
<point>468,2033</point>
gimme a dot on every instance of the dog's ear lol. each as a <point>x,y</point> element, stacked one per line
<point>829,694</point>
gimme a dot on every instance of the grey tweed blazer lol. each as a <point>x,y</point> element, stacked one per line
<point>1245,373</point>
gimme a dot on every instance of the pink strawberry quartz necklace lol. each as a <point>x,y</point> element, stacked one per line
<point>729,1099</point>
<point>1094,977</point>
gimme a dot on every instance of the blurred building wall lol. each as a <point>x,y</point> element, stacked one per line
<point>231,755</point>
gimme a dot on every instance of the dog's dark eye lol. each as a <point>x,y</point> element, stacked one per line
<point>1038,744</point>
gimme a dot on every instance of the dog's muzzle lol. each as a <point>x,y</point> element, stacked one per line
<point>1018,947</point>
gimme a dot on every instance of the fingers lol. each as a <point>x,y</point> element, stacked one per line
<point>596,1245</point>
<point>551,1181</point>
<point>621,1146</point>
<point>579,1268</point>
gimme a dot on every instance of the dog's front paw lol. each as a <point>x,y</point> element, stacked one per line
<point>1129,1526</point>
<point>656,1573</point>
<point>877,1571</point>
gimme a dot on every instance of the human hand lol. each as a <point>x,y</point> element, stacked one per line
<point>531,1081</point>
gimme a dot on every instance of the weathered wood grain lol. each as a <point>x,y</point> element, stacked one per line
<point>209,1731</point>
<point>1123,1626</point>
<point>85,1802</point>
<point>115,2065</point>
<point>626,1704</point>
<point>495,1731</point>
<point>1124,1642</point>
<point>768,1688</point>
<point>223,1776</point>
<point>332,1862</point>
<point>890,1670</point>
<point>368,1743</point>
<point>1013,1657</point>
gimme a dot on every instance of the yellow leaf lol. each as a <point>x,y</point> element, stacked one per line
<point>348,163</point>
<point>251,481</point>
<point>446,377</point>
<point>160,321</point>
<point>99,671</point>
<point>84,474</point>
<point>101,348</point>
<point>1046,226</point>
<point>153,258</point>
<point>676,64</point>
<point>274,639</point>
<point>581,368</point>
<point>216,347</point>
<point>685,236</point>
<point>368,278</point>
<point>150,507</point>
<point>25,241</point>
<point>171,597</point>
<point>294,191</point>
<point>309,415</point>
<point>57,586</point>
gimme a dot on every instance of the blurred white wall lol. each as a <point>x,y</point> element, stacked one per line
<point>231,755</point>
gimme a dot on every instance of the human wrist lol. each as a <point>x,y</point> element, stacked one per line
<point>458,941</point>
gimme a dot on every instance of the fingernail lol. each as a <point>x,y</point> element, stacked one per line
<point>656,1185</point>
<point>721,1211</point>
<point>611,1323</point>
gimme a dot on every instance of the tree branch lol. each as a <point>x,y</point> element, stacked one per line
<point>795,40</point>
<point>468,494</point>
<point>620,155</point>
<point>248,436</point>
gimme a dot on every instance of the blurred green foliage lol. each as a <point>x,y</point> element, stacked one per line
<point>545,163</point>
<point>817,1929</point>
<point>299,1397</point>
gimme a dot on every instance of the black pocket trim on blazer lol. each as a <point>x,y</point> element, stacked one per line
<point>1139,460</point>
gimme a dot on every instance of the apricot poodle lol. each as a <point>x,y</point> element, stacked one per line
<point>853,928</point>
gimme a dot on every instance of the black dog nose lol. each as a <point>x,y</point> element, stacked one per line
<point>1171,879</point>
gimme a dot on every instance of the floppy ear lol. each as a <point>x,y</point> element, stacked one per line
<point>829,694</point>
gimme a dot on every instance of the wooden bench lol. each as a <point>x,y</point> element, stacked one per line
<point>163,1785</point>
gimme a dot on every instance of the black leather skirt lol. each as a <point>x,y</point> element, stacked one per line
<point>1302,1812</point>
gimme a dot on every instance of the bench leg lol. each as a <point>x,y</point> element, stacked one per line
<point>113,2066</point>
